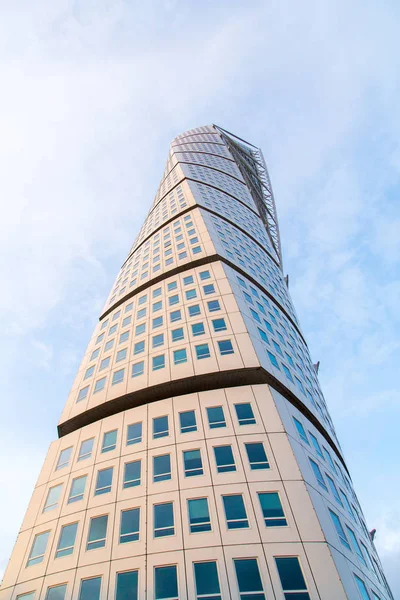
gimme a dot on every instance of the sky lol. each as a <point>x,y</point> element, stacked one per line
<point>92,93</point>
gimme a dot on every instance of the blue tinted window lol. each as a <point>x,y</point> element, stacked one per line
<point>199,515</point>
<point>318,475</point>
<point>157,306</point>
<point>356,545</point>
<point>127,586</point>
<point>77,489</point>
<point>166,583</point>
<point>138,369</point>
<point>273,360</point>
<point>104,363</point>
<point>225,347</point>
<point>97,533</point>
<point>83,393</point>
<point>158,340</point>
<point>104,481</point>
<point>160,427</point>
<point>235,512</point>
<point>202,351</point>
<point>54,593</point>
<point>172,286</point>
<point>90,589</point>
<point>333,489</point>
<point>121,355</point>
<point>339,529</point>
<point>53,497</point>
<point>249,580</point>
<point>132,474</point>
<point>177,334</point>
<point>207,582</point>
<point>134,435</point>
<point>213,305</point>
<point>194,310</point>
<point>190,294</point>
<point>161,468</point>
<point>224,459</point>
<point>301,431</point>
<point>175,315</point>
<point>192,462</point>
<point>187,421</point>
<point>198,329</point>
<point>188,280</point>
<point>219,325</point>
<point>316,445</point>
<point>204,275</point>
<point>173,299</point>
<point>256,455</point>
<point>157,322</point>
<point>292,579</point>
<point>140,329</point>
<point>216,418</point>
<point>158,362</point>
<point>129,531</point>
<point>272,509</point>
<point>109,441</point>
<point>180,356</point>
<point>66,542</point>
<point>163,520</point>
<point>85,450</point>
<point>245,414</point>
<point>361,588</point>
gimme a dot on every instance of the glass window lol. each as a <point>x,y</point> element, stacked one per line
<point>112,329</point>
<point>272,509</point>
<point>191,294</point>
<point>138,369</point>
<point>216,418</point>
<point>83,393</point>
<point>132,473</point>
<point>160,427</point>
<point>126,321</point>
<point>292,579</point>
<point>163,519</point>
<point>104,324</point>
<point>118,376</point>
<point>177,334</point>
<point>57,592</point>
<point>100,385</point>
<point>97,532</point>
<point>116,315</point>
<point>318,474</point>
<point>104,481</point>
<point>66,541</point>
<point>188,280</point>
<point>77,489</point>
<point>109,345</point>
<point>134,434</point>
<point>194,310</point>
<point>362,588</point>
<point>109,441</point>
<point>202,351</point>
<point>157,292</point>
<point>121,355</point>
<point>63,459</point>
<point>248,578</point>
<point>89,372</point>
<point>38,549</point>
<point>127,585</point>
<point>225,347</point>
<point>161,467</point>
<point>209,289</point>
<point>140,329</point>
<point>224,459</point>
<point>187,420</point>
<point>28,596</point>
<point>273,360</point>
<point>213,305</point>
<point>138,348</point>
<point>175,315</point>
<point>173,300</point>
<point>99,338</point>
<point>172,286</point>
<point>244,413</point>
<point>104,363</point>
<point>235,512</point>
<point>129,531</point>
<point>205,275</point>
<point>339,529</point>
<point>207,582</point>
<point>333,489</point>
<point>180,356</point>
<point>158,340</point>
<point>199,515</point>
<point>198,329</point>
<point>316,445</point>
<point>129,307</point>
<point>301,431</point>
<point>166,583</point>
<point>53,497</point>
<point>86,449</point>
<point>192,463</point>
<point>257,456</point>
<point>356,545</point>
<point>90,589</point>
<point>157,306</point>
<point>158,362</point>
<point>157,322</point>
<point>219,325</point>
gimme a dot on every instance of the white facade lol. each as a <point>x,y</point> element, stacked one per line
<point>197,457</point>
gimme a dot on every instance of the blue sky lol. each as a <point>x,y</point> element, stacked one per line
<point>92,94</point>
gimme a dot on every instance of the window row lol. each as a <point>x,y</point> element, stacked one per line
<point>207,582</point>
<point>161,471</point>
<point>160,428</point>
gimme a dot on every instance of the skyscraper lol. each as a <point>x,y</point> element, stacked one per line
<point>196,456</point>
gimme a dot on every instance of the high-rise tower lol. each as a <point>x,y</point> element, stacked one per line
<point>196,456</point>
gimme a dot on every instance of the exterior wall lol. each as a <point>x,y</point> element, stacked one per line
<point>199,317</point>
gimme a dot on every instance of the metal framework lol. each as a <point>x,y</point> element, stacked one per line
<point>252,165</point>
